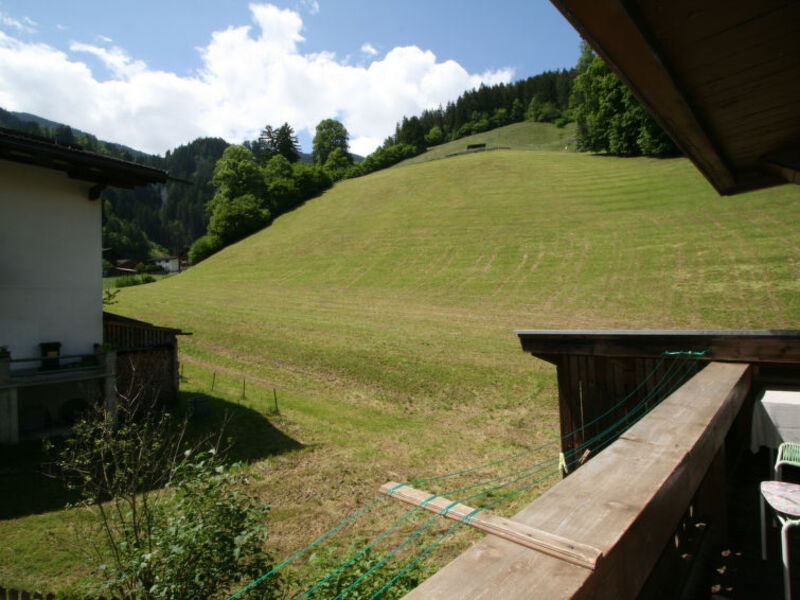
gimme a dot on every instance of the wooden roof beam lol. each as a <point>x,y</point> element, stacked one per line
<point>622,39</point>
<point>784,164</point>
<point>571,551</point>
<point>753,346</point>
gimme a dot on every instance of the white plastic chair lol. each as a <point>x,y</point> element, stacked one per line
<point>784,499</point>
<point>788,454</point>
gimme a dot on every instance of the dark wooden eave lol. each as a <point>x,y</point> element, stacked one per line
<point>720,76</point>
<point>75,162</point>
<point>114,318</point>
<point>752,346</point>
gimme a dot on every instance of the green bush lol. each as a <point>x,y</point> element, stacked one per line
<point>204,247</point>
<point>129,280</point>
<point>211,535</point>
<point>329,560</point>
<point>235,218</point>
<point>176,522</point>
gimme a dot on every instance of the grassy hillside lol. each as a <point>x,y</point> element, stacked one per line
<point>382,314</point>
<point>518,136</point>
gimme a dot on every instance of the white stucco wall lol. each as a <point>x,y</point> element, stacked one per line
<point>50,262</point>
<point>170,266</point>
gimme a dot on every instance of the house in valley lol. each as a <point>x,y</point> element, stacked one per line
<point>169,264</point>
<point>52,354</point>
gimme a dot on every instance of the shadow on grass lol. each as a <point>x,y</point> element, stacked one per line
<point>249,435</point>
<point>27,484</point>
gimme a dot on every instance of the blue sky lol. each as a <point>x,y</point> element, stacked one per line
<point>157,74</point>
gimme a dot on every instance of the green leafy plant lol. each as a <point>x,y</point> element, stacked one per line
<point>129,280</point>
<point>375,575</point>
<point>175,520</point>
<point>110,297</point>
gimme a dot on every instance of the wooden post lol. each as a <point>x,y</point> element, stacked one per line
<point>9,406</point>
<point>107,359</point>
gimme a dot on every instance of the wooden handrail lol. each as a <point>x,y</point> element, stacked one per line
<point>625,502</point>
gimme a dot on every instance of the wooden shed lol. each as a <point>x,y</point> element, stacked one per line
<point>147,355</point>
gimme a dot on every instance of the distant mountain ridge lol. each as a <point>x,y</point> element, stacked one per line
<point>54,125</point>
<point>23,117</point>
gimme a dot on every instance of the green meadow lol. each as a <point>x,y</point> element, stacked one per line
<point>518,136</point>
<point>381,317</point>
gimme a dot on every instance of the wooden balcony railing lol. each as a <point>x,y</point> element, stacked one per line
<point>626,502</point>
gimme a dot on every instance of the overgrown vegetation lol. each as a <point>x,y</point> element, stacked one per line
<point>362,579</point>
<point>175,521</point>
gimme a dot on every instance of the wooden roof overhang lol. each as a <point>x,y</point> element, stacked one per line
<point>76,163</point>
<point>780,346</point>
<point>722,77</point>
<point>111,318</point>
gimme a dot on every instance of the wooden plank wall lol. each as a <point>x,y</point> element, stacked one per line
<point>127,336</point>
<point>152,371</point>
<point>589,386</point>
<point>147,358</point>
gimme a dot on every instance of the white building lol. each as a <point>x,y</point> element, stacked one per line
<point>170,264</point>
<point>50,280</point>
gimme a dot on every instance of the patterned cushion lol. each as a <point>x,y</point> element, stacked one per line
<point>782,496</point>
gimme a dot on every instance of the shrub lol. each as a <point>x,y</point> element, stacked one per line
<point>204,247</point>
<point>129,280</point>
<point>235,218</point>
<point>329,560</point>
<point>175,520</point>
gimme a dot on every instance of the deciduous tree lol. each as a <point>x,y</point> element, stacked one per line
<point>235,218</point>
<point>329,136</point>
<point>610,118</point>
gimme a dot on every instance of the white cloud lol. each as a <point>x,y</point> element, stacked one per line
<point>24,25</point>
<point>312,6</point>
<point>368,48</point>
<point>250,76</point>
<point>114,58</point>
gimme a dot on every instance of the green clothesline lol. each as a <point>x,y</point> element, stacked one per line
<point>626,418</point>
<point>620,426</point>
